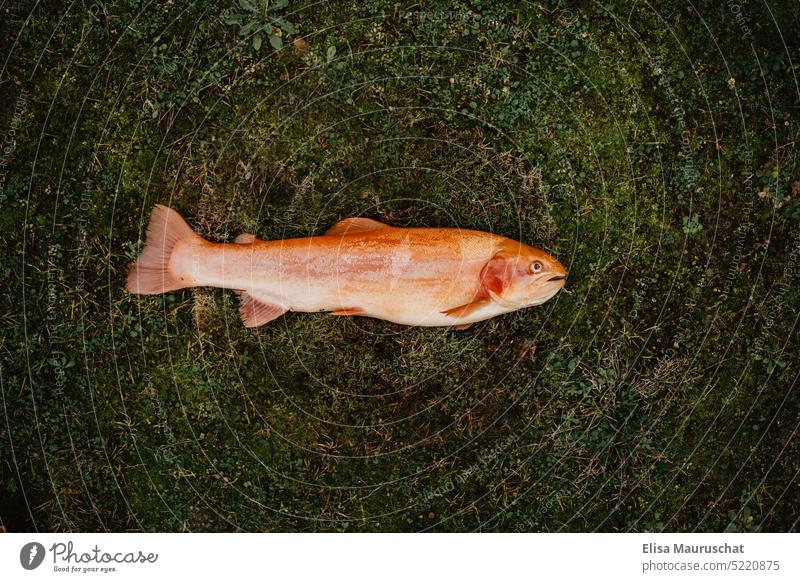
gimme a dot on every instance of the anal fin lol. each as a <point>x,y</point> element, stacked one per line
<point>349,311</point>
<point>255,312</point>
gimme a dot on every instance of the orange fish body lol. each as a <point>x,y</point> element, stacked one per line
<point>411,276</point>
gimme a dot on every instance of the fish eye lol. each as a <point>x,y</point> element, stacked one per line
<point>536,266</point>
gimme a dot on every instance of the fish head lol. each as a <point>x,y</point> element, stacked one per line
<point>522,276</point>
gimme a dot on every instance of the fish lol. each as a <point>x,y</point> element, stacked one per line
<point>431,277</point>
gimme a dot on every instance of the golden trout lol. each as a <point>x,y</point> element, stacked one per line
<point>412,276</point>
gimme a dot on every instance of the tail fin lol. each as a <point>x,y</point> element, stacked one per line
<point>150,275</point>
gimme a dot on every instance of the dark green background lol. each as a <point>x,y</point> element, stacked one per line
<point>651,149</point>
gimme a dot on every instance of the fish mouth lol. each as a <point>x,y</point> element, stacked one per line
<point>557,278</point>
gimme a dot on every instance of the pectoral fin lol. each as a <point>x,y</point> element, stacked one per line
<point>467,308</point>
<point>355,225</point>
<point>255,312</point>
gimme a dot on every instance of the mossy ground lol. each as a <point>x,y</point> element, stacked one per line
<point>654,152</point>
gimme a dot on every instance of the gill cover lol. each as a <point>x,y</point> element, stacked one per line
<point>495,278</point>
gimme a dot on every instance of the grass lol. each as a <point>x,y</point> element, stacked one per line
<point>651,151</point>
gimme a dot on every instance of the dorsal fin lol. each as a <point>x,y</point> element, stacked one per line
<point>245,239</point>
<point>354,225</point>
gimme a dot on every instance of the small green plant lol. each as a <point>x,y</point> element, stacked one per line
<point>691,225</point>
<point>260,18</point>
<point>742,521</point>
<point>792,210</point>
